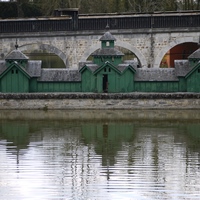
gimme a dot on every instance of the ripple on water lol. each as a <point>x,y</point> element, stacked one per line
<point>66,163</point>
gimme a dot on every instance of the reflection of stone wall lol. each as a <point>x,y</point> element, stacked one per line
<point>100,101</point>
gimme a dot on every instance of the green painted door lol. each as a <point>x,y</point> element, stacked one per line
<point>111,83</point>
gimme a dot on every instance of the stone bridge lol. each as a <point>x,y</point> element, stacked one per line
<point>149,45</point>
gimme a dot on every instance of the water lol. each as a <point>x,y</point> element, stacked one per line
<point>49,60</point>
<point>95,155</point>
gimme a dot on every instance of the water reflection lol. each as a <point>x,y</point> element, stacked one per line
<point>63,155</point>
<point>49,60</point>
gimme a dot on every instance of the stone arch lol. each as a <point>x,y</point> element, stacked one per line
<point>172,44</point>
<point>89,51</point>
<point>48,48</point>
<point>125,45</point>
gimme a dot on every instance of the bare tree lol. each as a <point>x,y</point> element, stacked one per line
<point>110,6</point>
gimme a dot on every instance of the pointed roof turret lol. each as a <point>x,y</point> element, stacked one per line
<point>107,49</point>
<point>16,55</point>
<point>107,37</point>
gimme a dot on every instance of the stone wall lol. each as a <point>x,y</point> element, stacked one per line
<point>149,46</point>
<point>75,101</point>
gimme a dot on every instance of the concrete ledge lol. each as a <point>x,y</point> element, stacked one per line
<point>87,101</point>
<point>103,116</point>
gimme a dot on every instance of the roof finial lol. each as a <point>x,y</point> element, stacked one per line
<point>107,26</point>
<point>16,45</point>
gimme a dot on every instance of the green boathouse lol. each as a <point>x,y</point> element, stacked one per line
<point>107,72</point>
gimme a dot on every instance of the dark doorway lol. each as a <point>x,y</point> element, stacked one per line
<point>105,82</point>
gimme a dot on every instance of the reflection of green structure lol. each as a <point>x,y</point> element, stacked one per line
<point>107,139</point>
<point>193,135</point>
<point>106,73</point>
<point>16,133</point>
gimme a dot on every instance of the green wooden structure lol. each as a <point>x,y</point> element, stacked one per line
<point>107,72</point>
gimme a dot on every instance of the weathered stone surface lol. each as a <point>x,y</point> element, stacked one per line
<point>134,95</point>
<point>73,101</point>
<point>149,46</point>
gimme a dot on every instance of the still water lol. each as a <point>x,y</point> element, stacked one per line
<point>99,155</point>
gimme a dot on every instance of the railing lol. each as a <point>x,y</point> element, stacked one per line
<point>16,26</point>
<point>176,20</point>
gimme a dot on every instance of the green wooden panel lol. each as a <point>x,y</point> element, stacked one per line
<point>77,87</point>
<point>169,87</point>
<point>46,87</point>
<point>99,83</point>
<point>67,87</point>
<point>118,81</point>
<point>137,86</point>
<point>193,82</point>
<point>15,82</point>
<point>143,87</point>
<point>33,85</point>
<point>157,86</point>
<point>59,87</point>
<point>148,86</point>
<point>49,87</point>
<point>111,83</point>
<point>93,83</point>
<point>73,87</point>
<point>53,87</point>
<point>40,87</point>
<point>103,44</point>
<point>121,83</point>
<point>87,81</point>
<point>127,81</point>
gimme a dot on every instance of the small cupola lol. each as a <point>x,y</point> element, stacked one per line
<point>16,56</point>
<point>107,52</point>
<point>107,40</point>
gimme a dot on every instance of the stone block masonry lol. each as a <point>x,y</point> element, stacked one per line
<point>75,47</point>
<point>92,101</point>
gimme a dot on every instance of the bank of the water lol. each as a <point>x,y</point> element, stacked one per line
<point>116,101</point>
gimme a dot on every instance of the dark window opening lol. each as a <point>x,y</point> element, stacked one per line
<point>109,70</point>
<point>105,83</point>
<point>199,70</point>
<point>16,71</point>
<point>104,69</point>
<point>12,71</point>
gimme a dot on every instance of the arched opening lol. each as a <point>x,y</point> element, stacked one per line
<point>51,56</point>
<point>178,52</point>
<point>49,60</point>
